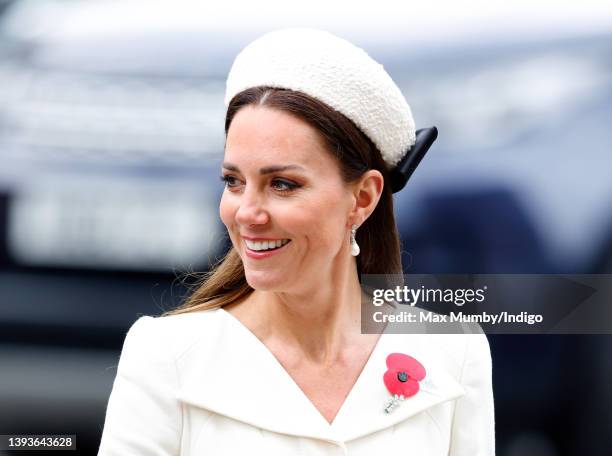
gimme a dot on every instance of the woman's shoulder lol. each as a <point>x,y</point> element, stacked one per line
<point>460,353</point>
<point>174,334</point>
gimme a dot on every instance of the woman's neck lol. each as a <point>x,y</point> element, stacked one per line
<point>319,324</point>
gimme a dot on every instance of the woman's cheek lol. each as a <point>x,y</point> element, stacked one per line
<point>226,211</point>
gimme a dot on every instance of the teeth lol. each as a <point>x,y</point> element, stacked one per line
<point>265,245</point>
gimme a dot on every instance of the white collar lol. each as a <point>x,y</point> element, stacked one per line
<point>232,373</point>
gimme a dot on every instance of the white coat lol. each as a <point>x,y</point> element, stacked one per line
<point>201,383</point>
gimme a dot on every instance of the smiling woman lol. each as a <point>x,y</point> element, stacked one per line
<point>267,355</point>
<point>322,152</point>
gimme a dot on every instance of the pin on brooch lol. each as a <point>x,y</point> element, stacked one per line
<point>402,378</point>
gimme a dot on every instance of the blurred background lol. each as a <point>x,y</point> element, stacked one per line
<point>111,136</point>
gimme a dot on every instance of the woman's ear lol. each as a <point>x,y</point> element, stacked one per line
<point>366,191</point>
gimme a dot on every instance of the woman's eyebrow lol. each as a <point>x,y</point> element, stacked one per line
<point>267,169</point>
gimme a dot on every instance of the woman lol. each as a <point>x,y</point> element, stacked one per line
<point>267,356</point>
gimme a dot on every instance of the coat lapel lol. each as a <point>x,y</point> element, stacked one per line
<point>363,412</point>
<point>240,378</point>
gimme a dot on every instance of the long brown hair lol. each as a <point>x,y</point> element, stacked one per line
<point>355,153</point>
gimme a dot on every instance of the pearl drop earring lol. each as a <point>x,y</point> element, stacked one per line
<point>354,246</point>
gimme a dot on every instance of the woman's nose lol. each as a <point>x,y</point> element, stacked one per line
<point>251,210</point>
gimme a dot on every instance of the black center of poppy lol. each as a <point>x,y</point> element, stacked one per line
<point>402,376</point>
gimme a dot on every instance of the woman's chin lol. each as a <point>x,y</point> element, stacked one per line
<point>263,281</point>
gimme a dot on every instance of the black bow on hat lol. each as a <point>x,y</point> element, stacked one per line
<point>404,169</point>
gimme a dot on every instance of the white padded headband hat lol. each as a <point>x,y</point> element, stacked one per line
<point>333,71</point>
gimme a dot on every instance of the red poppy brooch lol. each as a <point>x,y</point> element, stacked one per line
<point>402,378</point>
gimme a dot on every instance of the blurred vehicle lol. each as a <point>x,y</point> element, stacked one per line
<point>104,139</point>
<point>520,174</point>
<point>111,135</point>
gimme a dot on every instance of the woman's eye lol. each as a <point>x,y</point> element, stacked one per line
<point>280,185</point>
<point>230,181</point>
<point>283,185</point>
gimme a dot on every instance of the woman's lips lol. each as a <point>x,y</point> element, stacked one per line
<point>259,255</point>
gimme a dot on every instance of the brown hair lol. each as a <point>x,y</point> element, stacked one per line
<point>377,237</point>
